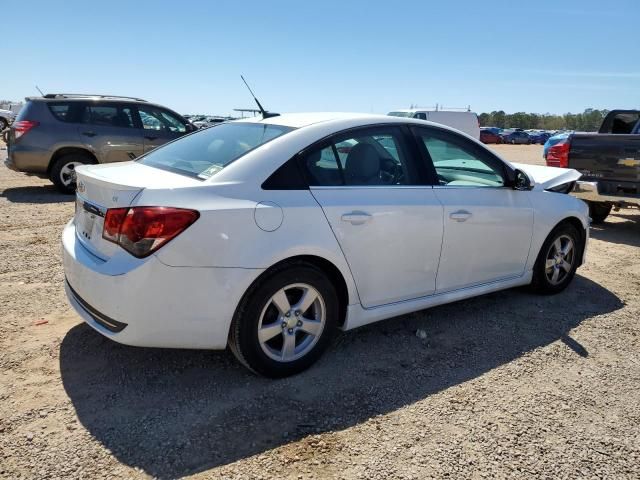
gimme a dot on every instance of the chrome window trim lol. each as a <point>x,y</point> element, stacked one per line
<point>369,187</point>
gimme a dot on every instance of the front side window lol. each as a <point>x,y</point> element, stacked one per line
<point>459,164</point>
<point>205,153</point>
<point>366,157</point>
<point>156,119</point>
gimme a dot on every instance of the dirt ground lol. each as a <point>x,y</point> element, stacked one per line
<point>508,385</point>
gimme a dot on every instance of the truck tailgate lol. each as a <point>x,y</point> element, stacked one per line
<point>609,157</point>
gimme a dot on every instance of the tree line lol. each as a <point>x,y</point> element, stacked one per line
<point>587,121</point>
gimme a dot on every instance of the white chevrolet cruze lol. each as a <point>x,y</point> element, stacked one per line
<point>268,235</point>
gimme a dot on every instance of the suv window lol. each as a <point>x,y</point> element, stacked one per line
<point>107,115</point>
<point>60,111</point>
<point>371,156</point>
<point>458,163</point>
<point>156,119</point>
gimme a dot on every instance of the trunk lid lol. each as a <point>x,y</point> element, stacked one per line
<point>115,185</point>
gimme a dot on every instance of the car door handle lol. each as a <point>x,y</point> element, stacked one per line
<point>460,216</point>
<point>150,137</point>
<point>356,218</point>
<point>89,134</point>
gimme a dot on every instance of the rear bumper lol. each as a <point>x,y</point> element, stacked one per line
<point>588,191</point>
<point>149,304</point>
<point>27,159</point>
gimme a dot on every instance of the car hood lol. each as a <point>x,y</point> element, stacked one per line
<point>544,178</point>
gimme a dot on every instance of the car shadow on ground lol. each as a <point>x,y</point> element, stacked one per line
<point>626,232</point>
<point>178,412</point>
<point>33,194</point>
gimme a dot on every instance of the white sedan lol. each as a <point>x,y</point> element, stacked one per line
<point>268,235</point>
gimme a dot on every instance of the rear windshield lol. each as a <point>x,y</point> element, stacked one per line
<point>205,153</point>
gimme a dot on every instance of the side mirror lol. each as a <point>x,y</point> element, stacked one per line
<point>522,181</point>
<point>191,127</point>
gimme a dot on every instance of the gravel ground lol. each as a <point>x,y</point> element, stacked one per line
<point>508,385</point>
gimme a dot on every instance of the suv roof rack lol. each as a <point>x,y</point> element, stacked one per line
<point>87,95</point>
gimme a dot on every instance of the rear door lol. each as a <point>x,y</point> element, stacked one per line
<point>487,225</point>
<point>371,186</point>
<point>159,126</point>
<point>108,129</point>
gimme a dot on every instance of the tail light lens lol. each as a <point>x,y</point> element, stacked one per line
<point>558,155</point>
<point>143,230</point>
<point>22,127</point>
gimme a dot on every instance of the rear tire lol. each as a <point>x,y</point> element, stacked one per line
<point>598,211</point>
<point>269,333</point>
<point>557,260</point>
<point>62,172</point>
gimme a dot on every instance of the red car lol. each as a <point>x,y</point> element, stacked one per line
<point>487,136</point>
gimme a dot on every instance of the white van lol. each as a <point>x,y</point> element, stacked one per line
<point>466,122</point>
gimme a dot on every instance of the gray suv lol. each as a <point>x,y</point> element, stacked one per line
<point>57,132</point>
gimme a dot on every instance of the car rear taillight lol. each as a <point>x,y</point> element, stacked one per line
<point>558,155</point>
<point>22,127</point>
<point>143,230</point>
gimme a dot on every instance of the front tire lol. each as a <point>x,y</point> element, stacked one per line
<point>285,321</point>
<point>598,211</point>
<point>62,172</point>
<point>558,260</point>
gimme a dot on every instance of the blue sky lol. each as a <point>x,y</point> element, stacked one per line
<point>538,56</point>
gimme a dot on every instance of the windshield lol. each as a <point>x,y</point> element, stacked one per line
<point>205,153</point>
<point>400,114</point>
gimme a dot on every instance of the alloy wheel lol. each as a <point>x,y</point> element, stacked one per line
<point>291,322</point>
<point>68,173</point>
<point>560,259</point>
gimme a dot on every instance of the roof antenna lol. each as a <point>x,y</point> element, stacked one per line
<point>39,90</point>
<point>264,113</point>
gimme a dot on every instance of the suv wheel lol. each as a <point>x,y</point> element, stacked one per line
<point>63,174</point>
<point>285,321</point>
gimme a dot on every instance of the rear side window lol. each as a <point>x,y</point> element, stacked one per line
<point>108,115</point>
<point>370,156</point>
<point>624,123</point>
<point>205,153</point>
<point>60,111</point>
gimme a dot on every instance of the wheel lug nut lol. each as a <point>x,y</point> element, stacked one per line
<point>284,324</point>
<point>299,323</point>
<point>297,313</point>
<point>290,331</point>
<point>288,314</point>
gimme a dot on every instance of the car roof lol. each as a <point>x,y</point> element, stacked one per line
<point>301,120</point>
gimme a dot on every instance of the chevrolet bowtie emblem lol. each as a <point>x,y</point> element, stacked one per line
<point>629,162</point>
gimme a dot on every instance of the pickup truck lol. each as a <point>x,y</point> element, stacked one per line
<point>609,162</point>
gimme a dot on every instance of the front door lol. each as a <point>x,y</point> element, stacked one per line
<point>383,215</point>
<point>487,225</point>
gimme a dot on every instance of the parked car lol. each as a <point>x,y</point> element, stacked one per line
<point>54,134</point>
<point>552,140</point>
<point>258,234</point>
<point>517,136</point>
<point>487,136</point>
<point>539,137</point>
<point>466,122</point>
<point>609,162</point>
<point>6,118</point>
